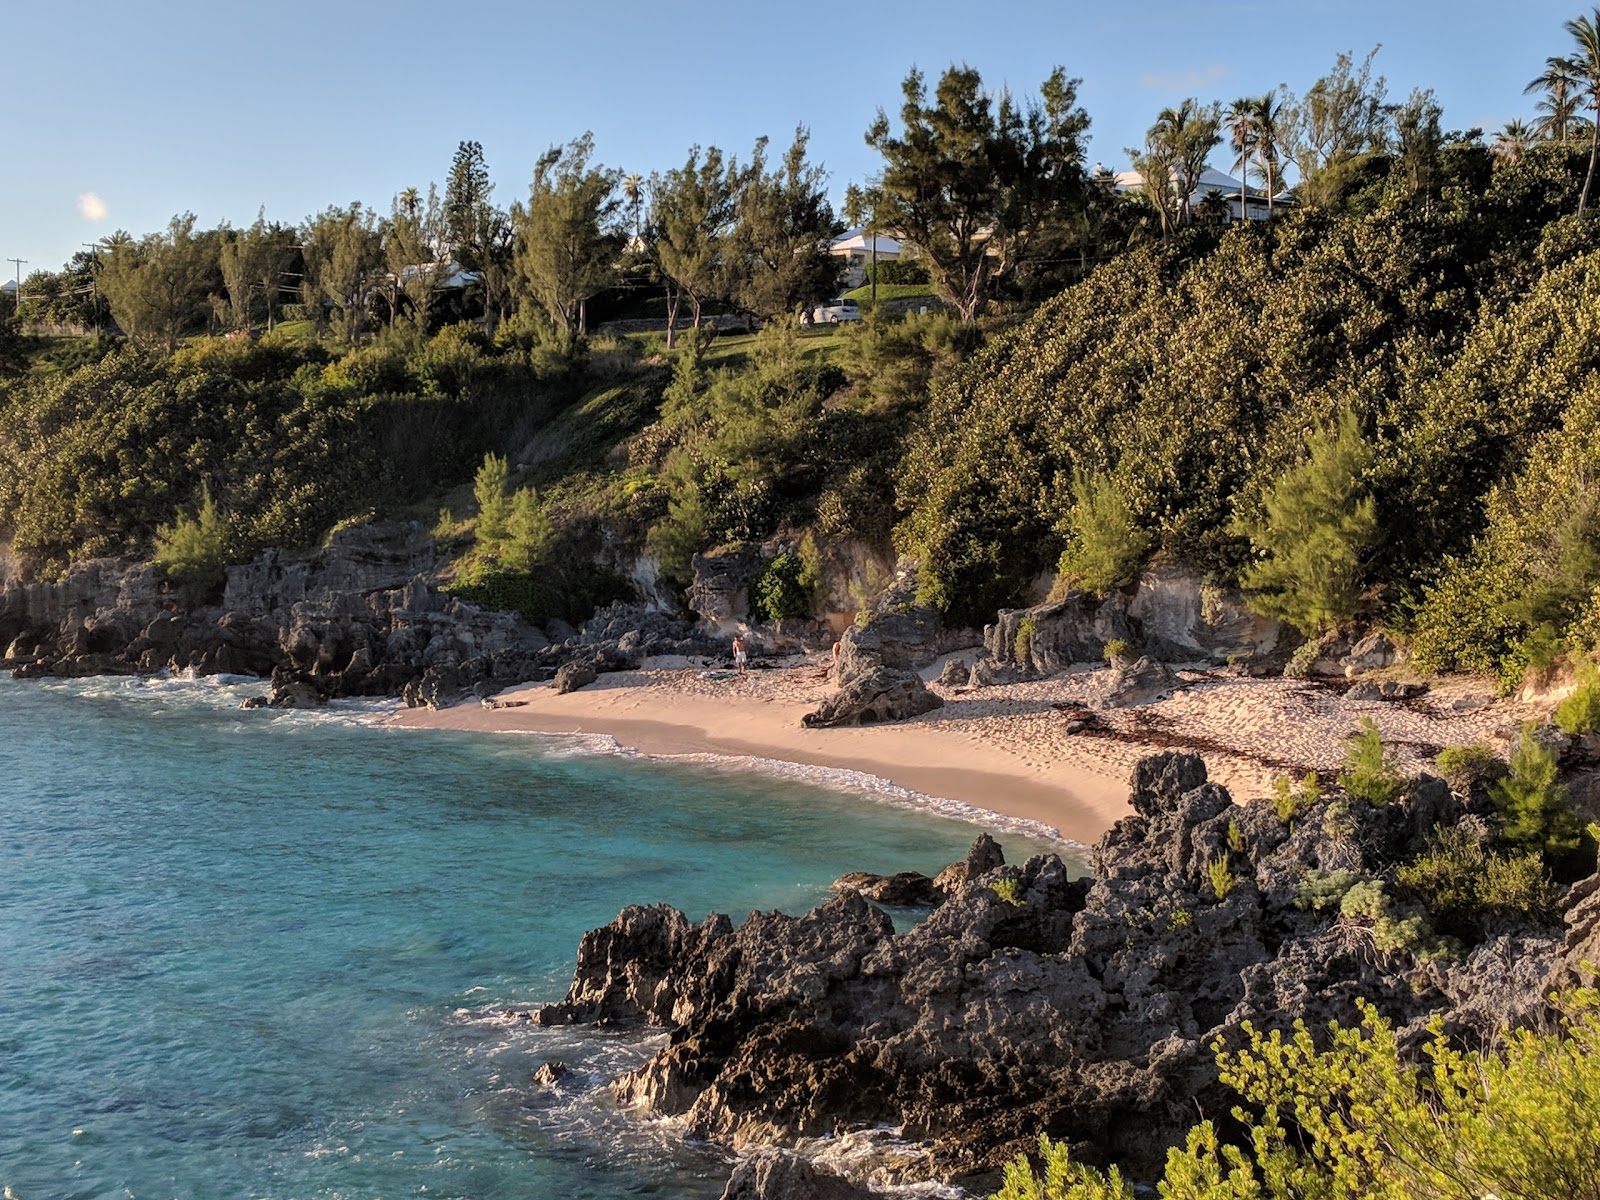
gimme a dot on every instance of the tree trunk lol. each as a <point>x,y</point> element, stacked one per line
<point>674,299</point>
<point>1594,145</point>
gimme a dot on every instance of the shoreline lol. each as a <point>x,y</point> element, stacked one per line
<point>670,714</point>
<point>1002,751</point>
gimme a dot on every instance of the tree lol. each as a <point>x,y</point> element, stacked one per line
<point>972,180</point>
<point>1584,67</point>
<point>343,255</point>
<point>1559,108</point>
<point>1343,115</point>
<point>1513,140</point>
<point>1419,140</point>
<point>568,238</point>
<point>480,236</point>
<point>413,254</point>
<point>157,287</point>
<point>633,193</point>
<point>253,261</point>
<point>1315,531</point>
<point>1243,119</point>
<point>1269,133</point>
<point>1176,148</point>
<point>692,212</point>
<point>777,254</point>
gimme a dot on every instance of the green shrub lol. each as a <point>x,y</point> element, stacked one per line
<point>192,552</point>
<point>1289,799</point>
<point>1322,891</point>
<point>1343,1114</point>
<point>1580,712</point>
<point>1316,530</point>
<point>1118,648</point>
<point>1397,927</point>
<point>782,590</point>
<point>1370,773</point>
<point>1106,546</point>
<point>1221,876</point>
<point>1464,767</point>
<point>1538,816</point>
<point>529,533</point>
<point>1009,890</point>
<point>1464,884</point>
<point>1022,644</point>
<point>489,490</point>
<point>1236,841</point>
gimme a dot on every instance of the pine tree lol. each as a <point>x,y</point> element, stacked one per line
<point>1315,533</point>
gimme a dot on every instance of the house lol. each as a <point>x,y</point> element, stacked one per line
<point>1213,180</point>
<point>856,247</point>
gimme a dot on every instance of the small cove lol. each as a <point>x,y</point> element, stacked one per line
<point>248,952</point>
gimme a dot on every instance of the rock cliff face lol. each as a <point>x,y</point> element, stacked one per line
<point>1171,615</point>
<point>362,616</point>
<point>1031,1001</point>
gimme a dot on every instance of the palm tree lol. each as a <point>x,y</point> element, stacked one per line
<point>1513,141</point>
<point>1559,83</point>
<point>1269,120</point>
<point>410,200</point>
<point>1241,121</point>
<point>633,190</point>
<point>1586,68</point>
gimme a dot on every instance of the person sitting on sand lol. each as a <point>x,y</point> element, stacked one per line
<point>739,654</point>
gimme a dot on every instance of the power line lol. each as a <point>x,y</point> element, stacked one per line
<point>19,263</point>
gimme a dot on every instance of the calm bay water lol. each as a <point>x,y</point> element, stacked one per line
<point>253,953</point>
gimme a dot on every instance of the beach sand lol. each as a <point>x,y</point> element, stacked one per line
<point>1003,749</point>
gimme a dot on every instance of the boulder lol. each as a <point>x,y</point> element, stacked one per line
<point>956,673</point>
<point>1139,682</point>
<point>573,675</point>
<point>773,1174</point>
<point>549,1074</point>
<point>903,889</point>
<point>1375,652</point>
<point>718,591</point>
<point>1052,636</point>
<point>877,694</point>
<point>295,693</point>
<point>984,856</point>
<point>986,672</point>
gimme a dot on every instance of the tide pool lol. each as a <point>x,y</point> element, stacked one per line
<point>260,953</point>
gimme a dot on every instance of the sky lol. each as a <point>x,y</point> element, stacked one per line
<point>119,116</point>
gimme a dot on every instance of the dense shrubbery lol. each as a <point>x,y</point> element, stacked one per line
<point>1190,375</point>
<point>288,438</point>
<point>1350,1116</point>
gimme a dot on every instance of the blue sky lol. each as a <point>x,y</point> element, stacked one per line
<point>117,116</point>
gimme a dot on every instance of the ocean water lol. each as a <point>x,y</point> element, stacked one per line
<point>262,954</point>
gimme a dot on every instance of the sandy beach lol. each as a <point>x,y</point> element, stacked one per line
<point>1005,748</point>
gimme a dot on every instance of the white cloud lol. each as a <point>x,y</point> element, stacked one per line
<point>1183,80</point>
<point>92,206</point>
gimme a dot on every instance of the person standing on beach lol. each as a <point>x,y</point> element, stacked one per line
<point>739,654</point>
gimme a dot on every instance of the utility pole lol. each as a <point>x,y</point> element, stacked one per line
<point>18,262</point>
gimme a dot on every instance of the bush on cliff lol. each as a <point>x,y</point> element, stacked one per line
<point>1349,1116</point>
<point>192,552</point>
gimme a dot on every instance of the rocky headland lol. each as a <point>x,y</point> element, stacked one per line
<point>1030,1001</point>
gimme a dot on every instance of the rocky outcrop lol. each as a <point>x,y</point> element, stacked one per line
<point>1138,682</point>
<point>1172,614</point>
<point>364,615</point>
<point>718,592</point>
<point>773,1174</point>
<point>1034,1001</point>
<point>915,888</point>
<point>875,695</point>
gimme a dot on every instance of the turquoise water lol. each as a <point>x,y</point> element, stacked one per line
<point>262,954</point>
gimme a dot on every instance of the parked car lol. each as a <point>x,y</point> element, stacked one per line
<point>831,312</point>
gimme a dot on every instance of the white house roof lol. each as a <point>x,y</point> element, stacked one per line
<point>1210,179</point>
<point>856,240</point>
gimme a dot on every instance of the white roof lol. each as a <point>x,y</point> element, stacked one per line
<point>857,239</point>
<point>1210,178</point>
